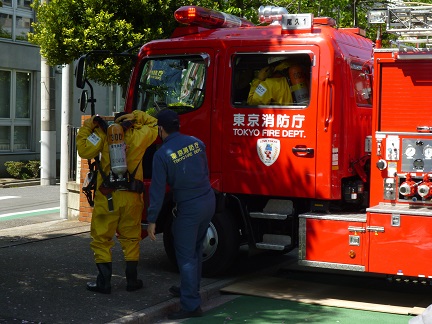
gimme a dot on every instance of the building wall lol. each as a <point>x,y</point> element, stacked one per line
<point>23,57</point>
<point>20,79</point>
<point>26,57</point>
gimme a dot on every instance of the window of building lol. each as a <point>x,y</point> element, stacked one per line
<point>24,4</point>
<point>16,18</point>
<point>5,91</point>
<point>22,27</point>
<point>6,22</point>
<point>271,80</point>
<point>15,110</point>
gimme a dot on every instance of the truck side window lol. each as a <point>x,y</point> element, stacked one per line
<point>362,84</point>
<point>175,83</point>
<point>271,80</point>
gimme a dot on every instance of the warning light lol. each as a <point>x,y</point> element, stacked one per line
<point>199,16</point>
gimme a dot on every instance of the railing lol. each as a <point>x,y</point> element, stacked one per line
<point>72,153</point>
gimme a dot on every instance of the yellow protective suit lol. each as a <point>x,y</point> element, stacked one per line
<point>128,206</point>
<point>271,87</point>
<point>275,91</point>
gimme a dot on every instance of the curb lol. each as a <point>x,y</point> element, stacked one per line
<point>160,311</point>
<point>14,183</point>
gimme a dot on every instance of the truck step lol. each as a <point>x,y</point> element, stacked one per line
<point>275,209</point>
<point>274,242</point>
<point>268,216</point>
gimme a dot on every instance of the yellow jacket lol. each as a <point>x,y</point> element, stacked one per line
<point>272,90</point>
<point>92,140</point>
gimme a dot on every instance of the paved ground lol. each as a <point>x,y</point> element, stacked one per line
<point>45,268</point>
<point>45,263</point>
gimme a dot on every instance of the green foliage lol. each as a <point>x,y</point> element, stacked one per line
<point>67,29</point>
<point>23,170</point>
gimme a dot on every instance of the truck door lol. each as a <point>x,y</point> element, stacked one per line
<point>270,133</point>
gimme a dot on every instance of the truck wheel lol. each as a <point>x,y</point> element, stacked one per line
<point>221,244</point>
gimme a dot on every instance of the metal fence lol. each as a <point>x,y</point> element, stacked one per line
<point>72,153</point>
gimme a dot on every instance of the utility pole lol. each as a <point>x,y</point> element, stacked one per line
<point>48,126</point>
<point>66,104</point>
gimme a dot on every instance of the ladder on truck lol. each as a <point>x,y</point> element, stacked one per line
<point>412,24</point>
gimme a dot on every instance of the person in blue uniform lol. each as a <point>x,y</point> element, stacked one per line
<point>181,162</point>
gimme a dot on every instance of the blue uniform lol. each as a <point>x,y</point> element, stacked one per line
<point>181,162</point>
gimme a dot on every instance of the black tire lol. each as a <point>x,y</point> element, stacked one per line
<point>168,241</point>
<point>221,245</point>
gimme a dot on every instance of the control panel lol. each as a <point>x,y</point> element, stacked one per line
<point>407,163</point>
<point>416,155</point>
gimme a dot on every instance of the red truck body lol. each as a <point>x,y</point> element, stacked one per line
<point>399,217</point>
<point>341,172</point>
<point>269,163</point>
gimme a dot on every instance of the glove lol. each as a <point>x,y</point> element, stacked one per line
<point>125,120</point>
<point>264,73</point>
<point>89,123</point>
<point>99,121</point>
<point>123,117</point>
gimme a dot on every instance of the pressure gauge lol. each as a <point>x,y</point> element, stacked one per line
<point>410,151</point>
<point>427,152</point>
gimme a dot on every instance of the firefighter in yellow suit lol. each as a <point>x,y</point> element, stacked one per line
<point>271,86</point>
<point>127,206</point>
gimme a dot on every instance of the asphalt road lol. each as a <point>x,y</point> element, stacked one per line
<point>28,205</point>
<point>45,263</point>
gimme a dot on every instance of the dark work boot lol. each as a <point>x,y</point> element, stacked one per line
<point>103,280</point>
<point>131,276</point>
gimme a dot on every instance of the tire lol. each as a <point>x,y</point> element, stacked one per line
<point>221,245</point>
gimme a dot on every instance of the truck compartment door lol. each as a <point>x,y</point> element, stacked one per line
<point>400,244</point>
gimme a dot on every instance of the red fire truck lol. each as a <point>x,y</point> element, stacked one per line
<point>287,174</point>
<point>397,230</point>
<point>394,236</point>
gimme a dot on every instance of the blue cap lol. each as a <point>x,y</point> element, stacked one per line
<point>167,117</point>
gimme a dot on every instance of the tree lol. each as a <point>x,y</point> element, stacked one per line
<point>67,29</point>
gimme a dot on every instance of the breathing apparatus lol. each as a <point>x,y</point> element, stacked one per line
<point>117,152</point>
<point>119,177</point>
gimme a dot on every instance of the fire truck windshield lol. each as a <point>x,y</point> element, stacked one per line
<point>176,83</point>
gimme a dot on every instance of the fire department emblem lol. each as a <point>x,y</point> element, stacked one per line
<point>268,150</point>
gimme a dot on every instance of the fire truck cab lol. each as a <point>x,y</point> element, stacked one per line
<point>273,155</point>
<point>286,151</point>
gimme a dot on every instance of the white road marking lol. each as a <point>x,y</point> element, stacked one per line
<point>30,212</point>
<point>9,197</point>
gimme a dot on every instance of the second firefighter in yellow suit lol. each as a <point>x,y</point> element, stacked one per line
<point>123,213</point>
<point>271,86</point>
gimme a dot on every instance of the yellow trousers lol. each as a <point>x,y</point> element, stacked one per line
<point>124,221</point>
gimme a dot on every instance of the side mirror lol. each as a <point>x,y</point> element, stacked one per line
<point>80,73</point>
<point>83,101</point>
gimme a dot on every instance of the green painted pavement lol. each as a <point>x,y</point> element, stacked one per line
<point>37,212</point>
<point>259,310</point>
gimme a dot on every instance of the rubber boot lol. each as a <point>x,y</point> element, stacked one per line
<point>131,276</point>
<point>103,280</point>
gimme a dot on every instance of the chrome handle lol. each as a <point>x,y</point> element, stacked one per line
<point>375,229</point>
<point>356,229</point>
